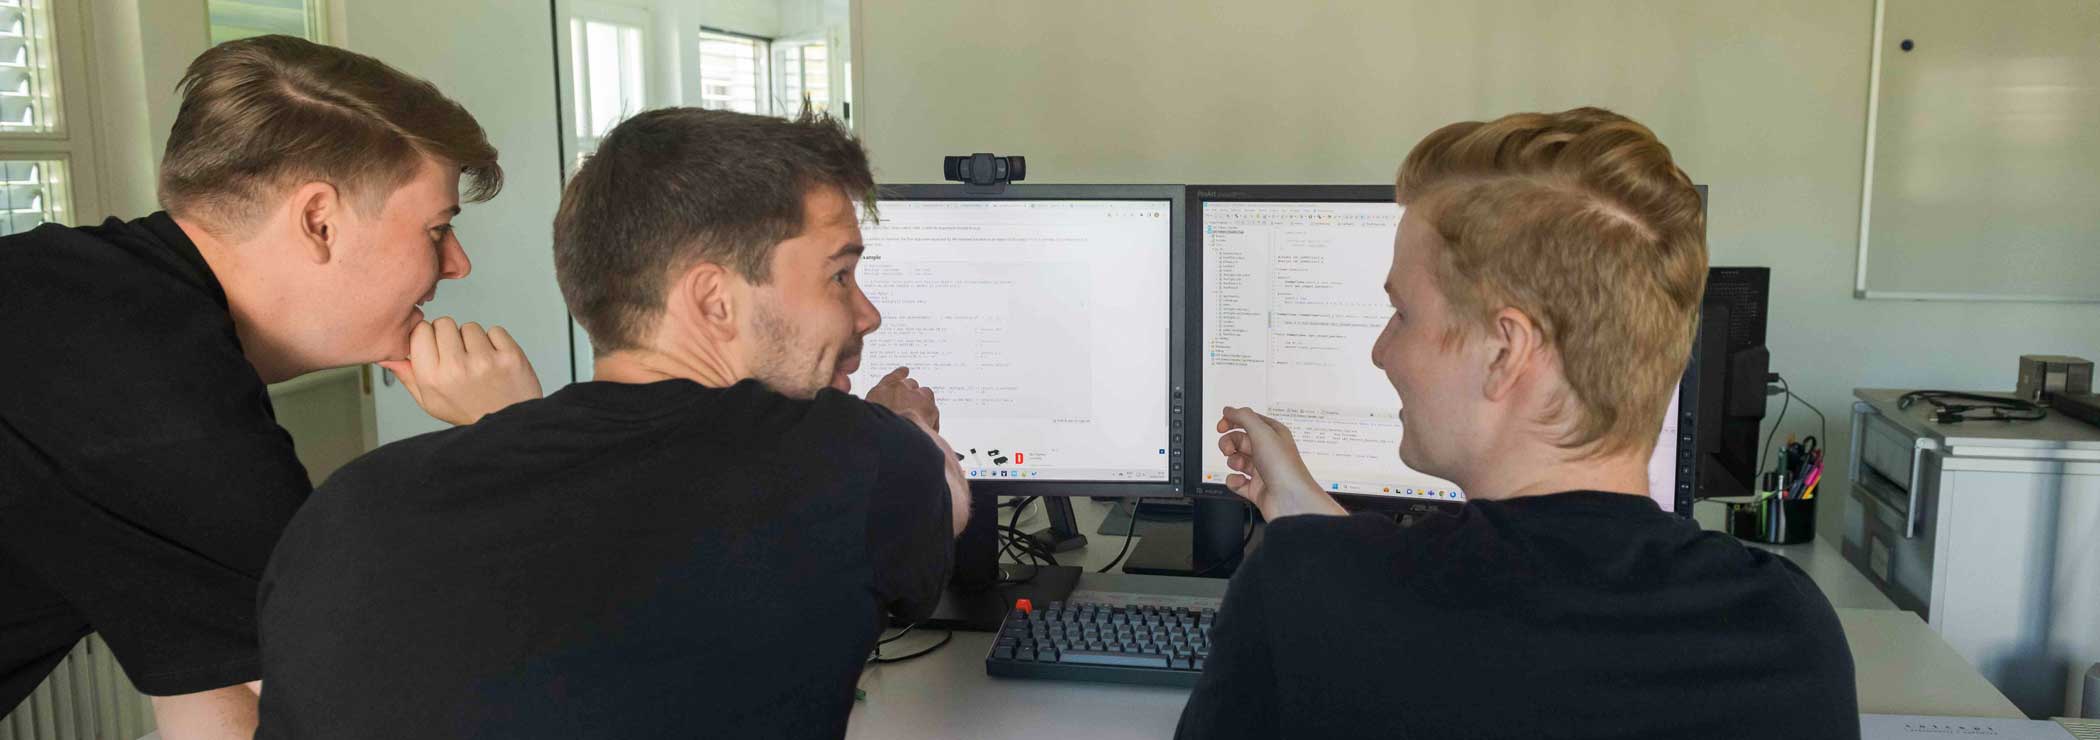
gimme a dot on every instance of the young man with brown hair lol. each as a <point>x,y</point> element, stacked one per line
<point>1545,285</point>
<point>703,541</point>
<point>143,476</point>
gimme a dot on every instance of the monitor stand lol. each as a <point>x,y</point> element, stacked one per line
<point>982,589</point>
<point>1063,533</point>
<point>1208,547</point>
<point>982,610</point>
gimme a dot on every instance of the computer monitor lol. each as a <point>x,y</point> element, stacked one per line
<point>1287,302</point>
<point>1044,318</point>
<point>1731,361</point>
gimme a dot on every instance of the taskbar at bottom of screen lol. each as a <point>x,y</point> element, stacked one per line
<point>1415,490</point>
<point>1032,474</point>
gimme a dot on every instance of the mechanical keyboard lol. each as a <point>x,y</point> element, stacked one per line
<point>1113,643</point>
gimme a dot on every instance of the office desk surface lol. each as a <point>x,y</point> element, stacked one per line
<point>946,694</point>
<point>1903,667</point>
<point>1841,583</point>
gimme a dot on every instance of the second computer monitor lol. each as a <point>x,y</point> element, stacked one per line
<point>1045,319</point>
<point>1289,300</point>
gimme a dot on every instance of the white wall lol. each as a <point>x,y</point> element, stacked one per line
<point>497,59</point>
<point>174,34</point>
<point>139,50</point>
<point>1764,100</point>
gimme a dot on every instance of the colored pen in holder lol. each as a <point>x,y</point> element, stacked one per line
<point>1772,519</point>
<point>1784,511</point>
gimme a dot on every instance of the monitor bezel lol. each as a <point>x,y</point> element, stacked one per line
<point>1176,337</point>
<point>1196,426</point>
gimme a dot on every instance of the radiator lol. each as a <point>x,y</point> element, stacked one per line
<point>86,698</point>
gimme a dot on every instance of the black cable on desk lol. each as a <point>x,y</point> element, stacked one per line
<point>878,658</point>
<point>2000,409</point>
<point>1762,452</point>
<point>893,638</point>
<point>1820,419</point>
<point>1017,544</point>
<point>1007,542</point>
<point>1134,509</point>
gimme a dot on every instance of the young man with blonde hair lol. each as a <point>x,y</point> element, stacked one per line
<point>310,193</point>
<point>1545,284</point>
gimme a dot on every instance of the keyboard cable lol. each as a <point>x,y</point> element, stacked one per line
<point>878,658</point>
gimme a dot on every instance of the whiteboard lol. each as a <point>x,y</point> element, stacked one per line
<point>1982,174</point>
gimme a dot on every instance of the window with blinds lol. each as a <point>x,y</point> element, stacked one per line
<point>752,74</point>
<point>605,60</point>
<point>805,74</point>
<point>34,188</point>
<point>734,72</point>
<point>32,192</point>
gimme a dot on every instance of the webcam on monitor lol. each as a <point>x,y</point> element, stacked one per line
<point>984,169</point>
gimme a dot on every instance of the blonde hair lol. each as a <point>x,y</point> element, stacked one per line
<point>1583,222</point>
<point>260,114</point>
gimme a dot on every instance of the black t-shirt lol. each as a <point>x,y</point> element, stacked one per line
<point>1575,615</point>
<point>143,476</point>
<point>616,560</point>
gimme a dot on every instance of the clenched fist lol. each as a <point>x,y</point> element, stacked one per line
<point>459,373</point>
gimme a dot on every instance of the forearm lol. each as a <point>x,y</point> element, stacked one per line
<point>958,486</point>
<point>958,498</point>
<point>1298,500</point>
<point>224,713</point>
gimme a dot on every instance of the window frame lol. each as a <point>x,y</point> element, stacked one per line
<point>789,102</point>
<point>319,22</point>
<point>577,48</point>
<point>72,143</point>
<point>761,84</point>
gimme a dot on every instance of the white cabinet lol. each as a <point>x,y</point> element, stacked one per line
<point>1989,530</point>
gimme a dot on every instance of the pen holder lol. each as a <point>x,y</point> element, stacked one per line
<point>1772,520</point>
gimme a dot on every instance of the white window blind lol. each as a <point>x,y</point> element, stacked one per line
<point>34,188</point>
<point>733,72</point>
<point>606,62</point>
<point>805,74</point>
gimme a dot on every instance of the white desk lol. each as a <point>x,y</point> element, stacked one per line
<point>1903,667</point>
<point>1841,583</point>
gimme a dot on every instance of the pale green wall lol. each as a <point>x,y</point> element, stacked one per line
<point>139,49</point>
<point>496,58</point>
<point>1764,101</point>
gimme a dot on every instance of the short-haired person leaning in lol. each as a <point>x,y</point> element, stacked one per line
<point>310,193</point>
<point>705,541</point>
<point>1545,284</point>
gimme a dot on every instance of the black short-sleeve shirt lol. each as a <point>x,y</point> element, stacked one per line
<point>143,476</point>
<point>615,560</point>
<point>1574,615</point>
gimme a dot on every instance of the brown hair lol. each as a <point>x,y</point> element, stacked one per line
<point>264,113</point>
<point>1582,221</point>
<point>675,186</point>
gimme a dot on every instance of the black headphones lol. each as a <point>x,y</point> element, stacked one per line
<point>1977,408</point>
